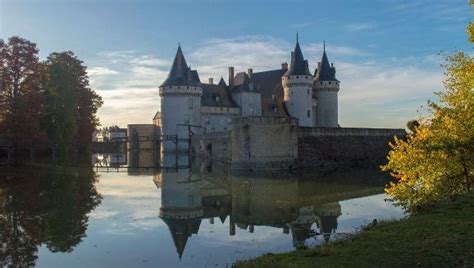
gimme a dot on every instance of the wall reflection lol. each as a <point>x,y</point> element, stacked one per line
<point>302,207</point>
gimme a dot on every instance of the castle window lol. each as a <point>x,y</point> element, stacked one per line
<point>308,113</point>
<point>329,82</point>
<point>229,121</point>
<point>308,91</point>
<point>186,119</point>
<point>320,83</point>
<point>207,120</point>
<point>297,76</point>
<point>190,104</point>
<point>252,109</point>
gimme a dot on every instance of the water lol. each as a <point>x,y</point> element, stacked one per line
<point>194,216</point>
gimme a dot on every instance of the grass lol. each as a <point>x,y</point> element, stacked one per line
<point>442,236</point>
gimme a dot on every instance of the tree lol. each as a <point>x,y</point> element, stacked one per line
<point>437,161</point>
<point>71,106</point>
<point>412,125</point>
<point>20,90</point>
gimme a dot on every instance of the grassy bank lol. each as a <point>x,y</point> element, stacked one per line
<point>442,236</point>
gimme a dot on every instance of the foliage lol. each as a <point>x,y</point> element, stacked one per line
<point>20,90</point>
<point>470,32</point>
<point>412,125</point>
<point>437,161</point>
<point>45,102</point>
<point>70,105</point>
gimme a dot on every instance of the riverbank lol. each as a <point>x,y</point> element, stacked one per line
<point>442,236</point>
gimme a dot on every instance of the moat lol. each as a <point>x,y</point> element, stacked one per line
<point>186,215</point>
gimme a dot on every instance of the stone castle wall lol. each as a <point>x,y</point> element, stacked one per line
<point>274,143</point>
<point>350,147</point>
<point>142,147</point>
<point>264,143</point>
<point>214,146</point>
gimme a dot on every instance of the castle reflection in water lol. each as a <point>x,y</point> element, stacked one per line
<point>302,206</point>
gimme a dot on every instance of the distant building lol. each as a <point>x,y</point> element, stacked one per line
<point>285,92</point>
<point>115,134</point>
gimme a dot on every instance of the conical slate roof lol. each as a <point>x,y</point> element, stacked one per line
<point>181,230</point>
<point>325,71</point>
<point>298,65</point>
<point>222,82</point>
<point>180,74</point>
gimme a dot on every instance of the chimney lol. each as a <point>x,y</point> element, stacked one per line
<point>250,72</point>
<point>231,226</point>
<point>211,81</point>
<point>231,76</point>
<point>284,66</point>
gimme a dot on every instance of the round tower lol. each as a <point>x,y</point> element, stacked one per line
<point>297,86</point>
<point>326,88</point>
<point>180,105</point>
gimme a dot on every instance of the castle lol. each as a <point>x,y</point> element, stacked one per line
<point>191,106</point>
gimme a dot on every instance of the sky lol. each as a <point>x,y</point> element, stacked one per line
<point>387,53</point>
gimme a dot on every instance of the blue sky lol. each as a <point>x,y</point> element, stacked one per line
<point>385,51</point>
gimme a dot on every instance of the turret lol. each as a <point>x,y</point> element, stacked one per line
<point>180,103</point>
<point>326,88</point>
<point>181,202</point>
<point>297,85</point>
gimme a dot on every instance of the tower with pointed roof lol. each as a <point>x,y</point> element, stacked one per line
<point>326,88</point>
<point>180,103</point>
<point>297,86</point>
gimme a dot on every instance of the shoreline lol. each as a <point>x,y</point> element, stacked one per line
<point>442,236</point>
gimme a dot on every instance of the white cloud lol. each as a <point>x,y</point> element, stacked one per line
<point>98,71</point>
<point>132,96</point>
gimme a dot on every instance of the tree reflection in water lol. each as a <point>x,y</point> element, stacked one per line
<point>44,206</point>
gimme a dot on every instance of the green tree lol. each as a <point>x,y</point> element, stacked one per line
<point>20,91</point>
<point>437,161</point>
<point>70,105</point>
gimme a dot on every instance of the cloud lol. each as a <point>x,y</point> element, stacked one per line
<point>98,71</point>
<point>360,26</point>
<point>374,92</point>
<point>132,96</point>
<point>381,95</point>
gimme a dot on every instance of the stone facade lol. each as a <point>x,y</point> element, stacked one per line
<point>292,92</point>
<point>142,146</point>
<point>269,143</point>
<point>351,147</point>
<point>325,103</point>
<point>298,101</point>
<point>264,143</point>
